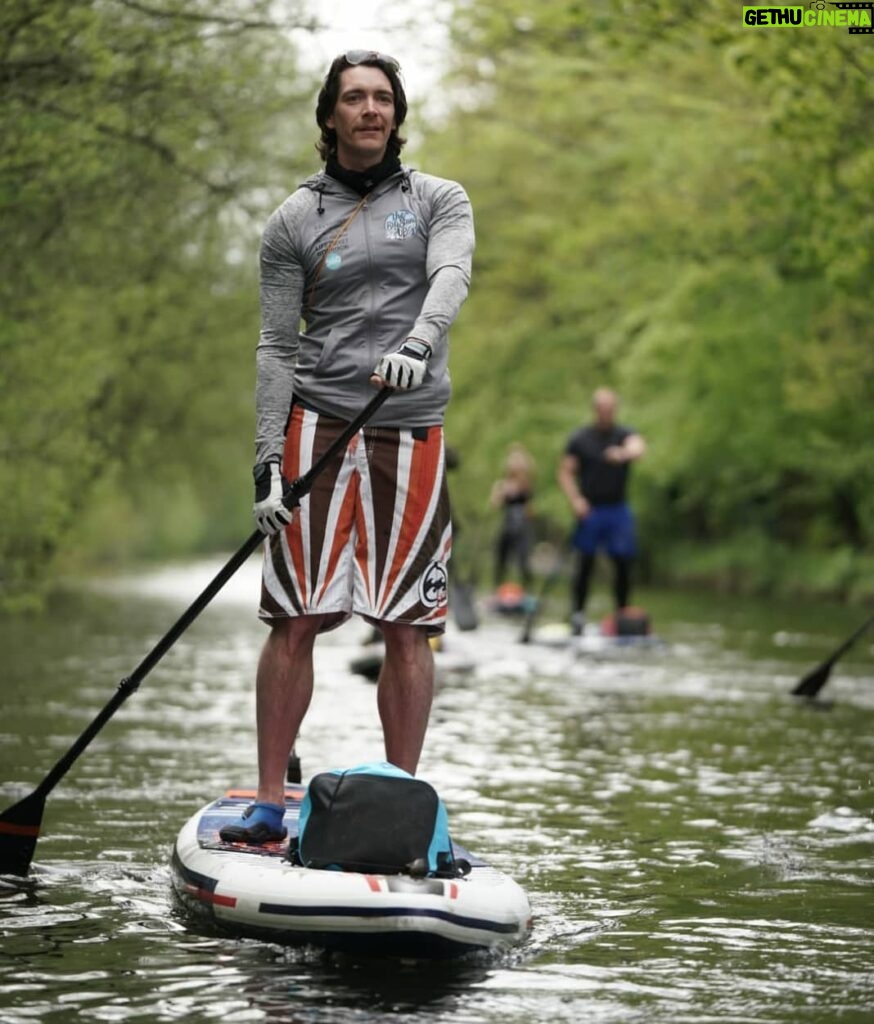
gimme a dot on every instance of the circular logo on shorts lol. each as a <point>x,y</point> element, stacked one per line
<point>333,260</point>
<point>432,589</point>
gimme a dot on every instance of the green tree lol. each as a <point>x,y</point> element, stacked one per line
<point>141,146</point>
<point>675,204</point>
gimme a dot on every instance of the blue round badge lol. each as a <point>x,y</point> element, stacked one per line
<point>333,260</point>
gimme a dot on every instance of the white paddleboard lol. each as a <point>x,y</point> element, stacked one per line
<point>255,890</point>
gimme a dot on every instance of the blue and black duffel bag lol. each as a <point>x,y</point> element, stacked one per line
<point>377,819</point>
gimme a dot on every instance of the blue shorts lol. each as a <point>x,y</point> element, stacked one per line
<point>607,526</point>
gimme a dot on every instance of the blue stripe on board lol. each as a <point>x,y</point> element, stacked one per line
<point>464,922</point>
<point>194,878</point>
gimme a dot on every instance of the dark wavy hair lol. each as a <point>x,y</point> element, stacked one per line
<point>330,91</point>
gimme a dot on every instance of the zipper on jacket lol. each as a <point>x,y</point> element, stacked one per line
<point>371,312</point>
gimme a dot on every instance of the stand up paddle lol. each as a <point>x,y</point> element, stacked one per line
<point>462,599</point>
<point>546,586</point>
<point>462,591</point>
<point>816,679</point>
<point>20,823</point>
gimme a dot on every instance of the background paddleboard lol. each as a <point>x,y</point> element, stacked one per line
<point>592,641</point>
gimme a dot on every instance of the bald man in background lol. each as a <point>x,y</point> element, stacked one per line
<point>593,473</point>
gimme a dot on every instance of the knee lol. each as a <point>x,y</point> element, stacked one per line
<point>297,635</point>
<point>403,641</point>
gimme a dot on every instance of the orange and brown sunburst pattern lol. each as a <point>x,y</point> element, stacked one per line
<point>373,536</point>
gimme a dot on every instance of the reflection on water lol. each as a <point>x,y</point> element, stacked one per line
<point>697,846</point>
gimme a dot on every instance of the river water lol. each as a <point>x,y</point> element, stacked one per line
<point>696,844</point>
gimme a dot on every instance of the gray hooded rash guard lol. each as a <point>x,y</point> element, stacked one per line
<point>336,296</point>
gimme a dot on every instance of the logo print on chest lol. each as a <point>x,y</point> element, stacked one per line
<point>401,224</point>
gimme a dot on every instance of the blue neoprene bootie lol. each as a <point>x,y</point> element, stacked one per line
<point>259,823</point>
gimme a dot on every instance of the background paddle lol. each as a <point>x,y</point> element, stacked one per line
<point>546,586</point>
<point>816,679</point>
<point>20,823</point>
<point>462,589</point>
<point>462,600</point>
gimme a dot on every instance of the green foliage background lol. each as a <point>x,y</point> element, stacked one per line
<point>667,202</point>
<point>672,204</point>
<point>141,144</point>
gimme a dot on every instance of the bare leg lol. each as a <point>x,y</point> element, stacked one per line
<point>284,687</point>
<point>405,692</point>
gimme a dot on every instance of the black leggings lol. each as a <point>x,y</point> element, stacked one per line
<point>515,546</point>
<point>583,576</point>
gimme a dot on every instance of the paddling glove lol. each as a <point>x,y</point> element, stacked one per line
<point>271,487</point>
<point>405,368</point>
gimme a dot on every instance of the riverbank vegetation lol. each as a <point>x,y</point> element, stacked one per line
<point>676,205</point>
<point>667,201</point>
<point>141,144</point>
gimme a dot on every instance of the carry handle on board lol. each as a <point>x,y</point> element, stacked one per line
<point>20,823</point>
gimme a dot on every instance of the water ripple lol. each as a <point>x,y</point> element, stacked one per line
<point>696,846</point>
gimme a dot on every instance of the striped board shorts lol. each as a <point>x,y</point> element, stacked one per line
<point>374,535</point>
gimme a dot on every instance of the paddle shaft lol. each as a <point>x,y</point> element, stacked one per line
<point>298,489</point>
<point>848,643</point>
<point>462,590</point>
<point>461,599</point>
<point>546,586</point>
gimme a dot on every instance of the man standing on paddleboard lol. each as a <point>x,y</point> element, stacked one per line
<point>593,474</point>
<point>363,270</point>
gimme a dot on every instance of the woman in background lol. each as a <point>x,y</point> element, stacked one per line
<point>513,494</point>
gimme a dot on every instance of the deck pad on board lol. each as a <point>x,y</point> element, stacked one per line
<point>229,807</point>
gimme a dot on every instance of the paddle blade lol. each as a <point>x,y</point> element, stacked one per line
<point>19,831</point>
<point>528,626</point>
<point>814,681</point>
<point>462,602</point>
<point>368,665</point>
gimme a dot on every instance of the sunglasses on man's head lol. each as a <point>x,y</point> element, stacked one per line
<point>363,56</point>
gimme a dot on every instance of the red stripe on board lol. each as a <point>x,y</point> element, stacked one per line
<point>373,882</point>
<point>205,896</point>
<point>453,891</point>
<point>11,829</point>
